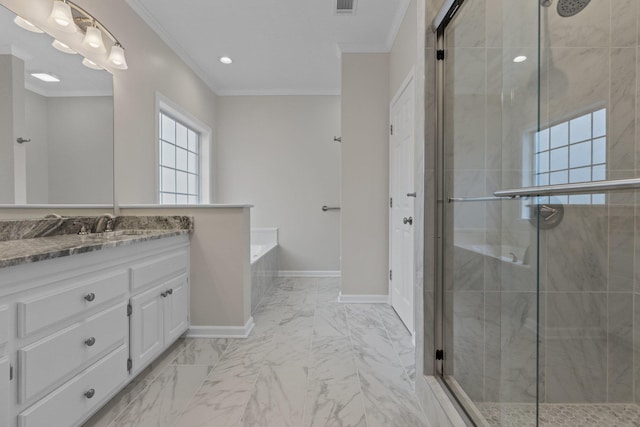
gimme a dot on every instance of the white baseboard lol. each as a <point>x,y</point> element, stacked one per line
<point>221,331</point>
<point>363,299</point>
<point>309,273</point>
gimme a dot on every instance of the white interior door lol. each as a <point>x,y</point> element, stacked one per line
<point>401,217</point>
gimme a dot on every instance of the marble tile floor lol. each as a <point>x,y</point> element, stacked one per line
<point>566,415</point>
<point>310,361</point>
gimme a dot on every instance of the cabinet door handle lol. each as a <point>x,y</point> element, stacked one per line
<point>90,296</point>
<point>89,393</point>
<point>90,341</point>
<point>170,291</point>
<point>164,294</point>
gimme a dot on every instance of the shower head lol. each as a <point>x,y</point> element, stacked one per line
<point>567,8</point>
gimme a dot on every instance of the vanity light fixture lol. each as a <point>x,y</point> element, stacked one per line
<point>66,16</point>
<point>23,23</point>
<point>225,60</point>
<point>63,47</point>
<point>94,36</point>
<point>46,77</point>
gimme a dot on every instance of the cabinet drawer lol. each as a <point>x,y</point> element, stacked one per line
<point>46,310</point>
<point>68,405</point>
<point>60,355</point>
<point>159,269</point>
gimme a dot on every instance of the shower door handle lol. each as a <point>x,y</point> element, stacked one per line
<point>406,220</point>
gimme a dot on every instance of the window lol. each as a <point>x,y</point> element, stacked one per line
<point>179,162</point>
<point>572,151</point>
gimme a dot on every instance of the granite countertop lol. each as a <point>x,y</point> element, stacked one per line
<point>57,244</point>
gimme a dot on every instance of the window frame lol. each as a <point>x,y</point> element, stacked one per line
<point>205,155</point>
<point>529,175</point>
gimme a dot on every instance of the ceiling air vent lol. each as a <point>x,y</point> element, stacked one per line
<point>345,7</point>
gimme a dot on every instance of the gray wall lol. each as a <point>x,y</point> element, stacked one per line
<point>80,135</point>
<point>278,153</point>
<point>37,121</point>
<point>365,174</point>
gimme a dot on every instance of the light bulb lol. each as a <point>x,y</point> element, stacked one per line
<point>93,39</point>
<point>24,24</point>
<point>63,47</point>
<point>90,64</point>
<point>226,60</point>
<point>117,58</point>
<point>62,18</point>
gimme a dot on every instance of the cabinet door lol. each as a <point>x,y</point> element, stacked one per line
<point>4,391</point>
<point>176,316</point>
<point>147,334</point>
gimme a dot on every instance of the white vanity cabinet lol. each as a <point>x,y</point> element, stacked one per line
<point>5,366</point>
<point>72,327</point>
<point>159,306</point>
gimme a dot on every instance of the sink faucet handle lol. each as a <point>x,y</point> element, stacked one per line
<point>83,228</point>
<point>109,226</point>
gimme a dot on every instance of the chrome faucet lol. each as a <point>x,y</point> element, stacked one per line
<point>104,223</point>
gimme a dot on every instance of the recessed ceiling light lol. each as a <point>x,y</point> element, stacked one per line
<point>226,60</point>
<point>520,58</point>
<point>46,77</point>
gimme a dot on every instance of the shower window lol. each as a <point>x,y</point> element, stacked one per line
<point>571,151</point>
<point>179,162</point>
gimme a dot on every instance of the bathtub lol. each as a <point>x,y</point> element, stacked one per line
<point>264,263</point>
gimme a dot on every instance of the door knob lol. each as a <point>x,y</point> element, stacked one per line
<point>406,220</point>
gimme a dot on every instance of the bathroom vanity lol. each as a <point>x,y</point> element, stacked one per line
<point>74,330</point>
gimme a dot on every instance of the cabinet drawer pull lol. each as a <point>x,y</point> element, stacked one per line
<point>89,393</point>
<point>170,291</point>
<point>90,296</point>
<point>164,294</point>
<point>90,341</point>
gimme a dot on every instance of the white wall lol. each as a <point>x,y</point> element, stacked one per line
<point>278,153</point>
<point>365,174</point>
<point>37,122</point>
<point>80,132</point>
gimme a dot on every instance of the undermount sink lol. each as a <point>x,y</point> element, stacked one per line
<point>117,233</point>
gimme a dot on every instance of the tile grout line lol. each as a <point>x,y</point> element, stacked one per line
<point>144,389</point>
<point>306,382</point>
<point>206,377</point>
<point>355,364</point>
<point>395,351</point>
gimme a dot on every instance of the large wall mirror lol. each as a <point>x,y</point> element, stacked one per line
<point>68,124</point>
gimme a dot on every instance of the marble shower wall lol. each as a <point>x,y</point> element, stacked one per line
<point>588,339</point>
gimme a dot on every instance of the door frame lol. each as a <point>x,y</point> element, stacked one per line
<point>411,77</point>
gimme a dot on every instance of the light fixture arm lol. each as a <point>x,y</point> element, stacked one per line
<point>87,17</point>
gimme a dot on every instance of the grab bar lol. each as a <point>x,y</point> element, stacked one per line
<point>332,208</point>
<point>480,199</point>
<point>577,188</point>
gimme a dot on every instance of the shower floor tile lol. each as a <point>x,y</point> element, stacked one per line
<point>569,415</point>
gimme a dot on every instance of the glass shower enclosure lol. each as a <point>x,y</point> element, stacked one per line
<point>538,171</point>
